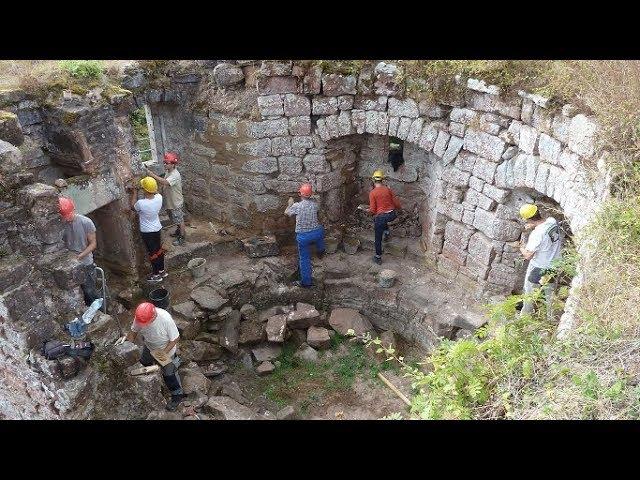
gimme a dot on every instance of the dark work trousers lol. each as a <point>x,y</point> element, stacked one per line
<point>380,225</point>
<point>89,285</point>
<point>153,242</point>
<point>169,371</point>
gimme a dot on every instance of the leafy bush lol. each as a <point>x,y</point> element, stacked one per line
<point>82,68</point>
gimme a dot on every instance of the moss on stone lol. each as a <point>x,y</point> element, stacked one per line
<point>69,118</point>
<point>4,115</point>
<point>78,179</point>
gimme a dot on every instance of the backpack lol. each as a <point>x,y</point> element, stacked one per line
<point>80,352</point>
<point>54,349</point>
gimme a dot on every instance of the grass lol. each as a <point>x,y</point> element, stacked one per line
<point>42,78</point>
<point>311,383</point>
<point>141,133</point>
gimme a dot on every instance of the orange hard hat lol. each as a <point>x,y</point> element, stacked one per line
<point>145,313</point>
<point>66,207</point>
<point>171,157</point>
<point>306,190</point>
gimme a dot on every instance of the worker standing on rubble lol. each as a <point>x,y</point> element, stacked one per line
<point>541,249</point>
<point>148,209</point>
<point>382,205</point>
<point>308,231</point>
<point>160,335</point>
<point>173,199</point>
<point>80,236</point>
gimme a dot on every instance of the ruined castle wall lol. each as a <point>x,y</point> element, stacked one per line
<point>87,141</point>
<point>463,159</point>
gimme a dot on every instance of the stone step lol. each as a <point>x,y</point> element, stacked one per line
<point>179,256</point>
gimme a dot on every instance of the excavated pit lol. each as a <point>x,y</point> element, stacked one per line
<point>248,133</point>
<point>224,320</point>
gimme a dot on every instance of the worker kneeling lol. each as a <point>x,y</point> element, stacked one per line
<point>541,249</point>
<point>308,231</point>
<point>160,335</point>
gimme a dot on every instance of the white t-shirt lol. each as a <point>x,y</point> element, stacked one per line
<point>173,191</point>
<point>148,210</point>
<point>158,333</point>
<point>546,250</point>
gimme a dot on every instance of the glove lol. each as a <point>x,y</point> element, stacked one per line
<point>290,202</point>
<point>120,340</point>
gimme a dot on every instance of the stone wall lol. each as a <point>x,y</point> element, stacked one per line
<point>87,141</point>
<point>463,159</point>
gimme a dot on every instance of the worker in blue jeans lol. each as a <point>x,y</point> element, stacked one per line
<point>308,231</point>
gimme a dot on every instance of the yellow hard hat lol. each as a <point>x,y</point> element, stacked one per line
<point>378,175</point>
<point>528,210</point>
<point>149,184</point>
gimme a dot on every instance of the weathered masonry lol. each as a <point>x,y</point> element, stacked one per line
<point>468,164</point>
<point>248,133</point>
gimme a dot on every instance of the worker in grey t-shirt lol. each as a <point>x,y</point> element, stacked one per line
<point>80,236</point>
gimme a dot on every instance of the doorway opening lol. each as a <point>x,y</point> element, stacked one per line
<point>396,150</point>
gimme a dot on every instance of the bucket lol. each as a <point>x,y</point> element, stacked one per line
<point>197,266</point>
<point>386,278</point>
<point>160,297</point>
<point>331,244</point>
<point>351,245</point>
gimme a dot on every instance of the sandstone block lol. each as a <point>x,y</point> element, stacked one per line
<point>296,105</point>
<point>274,85</point>
<point>324,105</point>
<point>334,84</point>
<point>403,108</point>
<point>271,105</point>
<point>261,165</point>
<point>483,144</point>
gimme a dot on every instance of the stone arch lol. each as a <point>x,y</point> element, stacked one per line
<point>477,157</point>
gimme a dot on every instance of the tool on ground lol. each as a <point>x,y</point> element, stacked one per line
<point>120,341</point>
<point>143,370</point>
<point>395,390</point>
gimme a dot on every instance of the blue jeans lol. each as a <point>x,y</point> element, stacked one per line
<point>380,226</point>
<point>304,240</point>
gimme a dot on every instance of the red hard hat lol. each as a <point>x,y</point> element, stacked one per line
<point>66,207</point>
<point>171,157</point>
<point>145,313</point>
<point>306,190</point>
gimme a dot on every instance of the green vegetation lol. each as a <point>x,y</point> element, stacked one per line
<point>514,368</point>
<point>82,68</point>
<point>141,133</point>
<point>294,379</point>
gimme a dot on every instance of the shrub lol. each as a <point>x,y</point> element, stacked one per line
<point>82,68</point>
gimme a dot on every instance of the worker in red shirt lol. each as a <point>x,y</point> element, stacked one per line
<point>382,205</point>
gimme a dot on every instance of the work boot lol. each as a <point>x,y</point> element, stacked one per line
<point>386,235</point>
<point>178,241</point>
<point>377,259</point>
<point>163,274</point>
<point>172,405</point>
<point>154,277</point>
<point>176,233</point>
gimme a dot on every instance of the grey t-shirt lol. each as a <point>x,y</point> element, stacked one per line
<point>75,236</point>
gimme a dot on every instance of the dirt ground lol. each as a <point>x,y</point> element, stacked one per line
<point>343,384</point>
